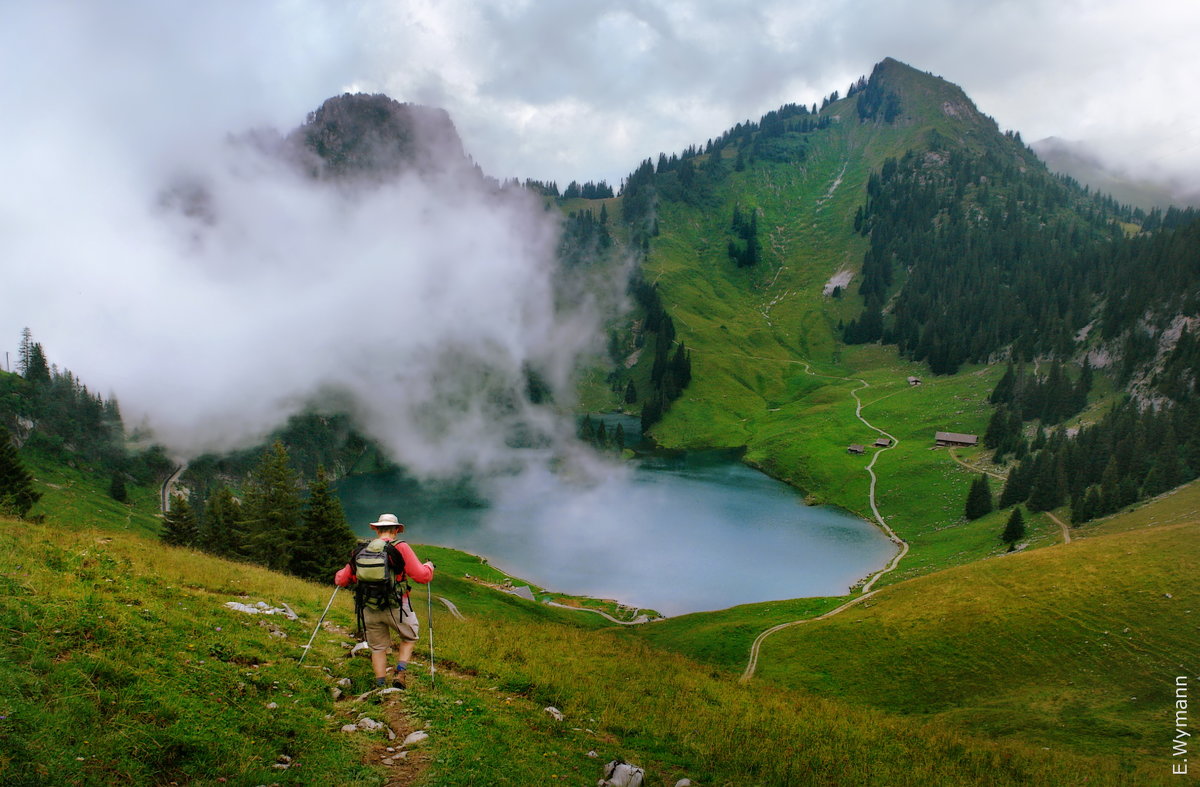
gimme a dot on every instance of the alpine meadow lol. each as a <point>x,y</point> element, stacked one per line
<point>880,299</point>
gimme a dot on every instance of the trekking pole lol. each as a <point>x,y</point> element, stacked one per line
<point>319,622</point>
<point>429,610</point>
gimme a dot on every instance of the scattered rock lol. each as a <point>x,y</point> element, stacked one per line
<point>345,683</point>
<point>369,724</point>
<point>555,713</point>
<point>593,753</point>
<point>336,693</point>
<point>415,738</point>
<point>349,728</point>
<point>619,773</point>
<point>260,608</point>
<point>1168,595</point>
<point>685,783</point>
<point>272,705</point>
<point>361,647</point>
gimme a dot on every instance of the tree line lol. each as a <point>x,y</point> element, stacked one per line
<point>672,368</point>
<point>585,237</point>
<point>744,247</point>
<point>47,409</point>
<point>277,522</point>
<point>996,254</point>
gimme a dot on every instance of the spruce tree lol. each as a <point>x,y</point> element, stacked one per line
<point>325,538</point>
<point>17,494</point>
<point>1014,531</point>
<point>631,395</point>
<point>271,514</point>
<point>117,490</point>
<point>179,527</point>
<point>222,533</point>
<point>979,499</point>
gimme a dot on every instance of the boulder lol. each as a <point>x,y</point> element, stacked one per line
<point>619,773</point>
<point>415,738</point>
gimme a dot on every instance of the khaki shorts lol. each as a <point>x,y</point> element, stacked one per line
<point>381,622</point>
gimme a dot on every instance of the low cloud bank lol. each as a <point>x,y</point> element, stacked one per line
<point>221,288</point>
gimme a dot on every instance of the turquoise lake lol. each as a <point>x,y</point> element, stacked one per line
<point>673,534</point>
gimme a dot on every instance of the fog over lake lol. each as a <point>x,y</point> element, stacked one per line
<point>676,535</point>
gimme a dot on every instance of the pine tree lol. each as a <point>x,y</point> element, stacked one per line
<point>1014,531</point>
<point>17,494</point>
<point>179,528</point>
<point>222,533</point>
<point>117,490</point>
<point>979,499</point>
<point>325,538</point>
<point>271,514</point>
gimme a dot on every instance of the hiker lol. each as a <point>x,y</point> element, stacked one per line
<point>378,570</point>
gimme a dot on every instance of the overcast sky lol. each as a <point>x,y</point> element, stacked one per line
<point>105,104</point>
<point>571,89</point>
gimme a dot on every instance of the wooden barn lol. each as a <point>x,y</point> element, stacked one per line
<point>953,439</point>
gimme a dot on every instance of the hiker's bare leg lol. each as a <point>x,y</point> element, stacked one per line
<point>379,663</point>
<point>404,651</point>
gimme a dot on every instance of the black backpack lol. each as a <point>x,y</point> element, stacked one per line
<point>377,585</point>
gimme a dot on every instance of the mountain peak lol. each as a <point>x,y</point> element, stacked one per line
<point>374,135</point>
<point>897,92</point>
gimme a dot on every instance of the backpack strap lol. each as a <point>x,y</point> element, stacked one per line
<point>391,550</point>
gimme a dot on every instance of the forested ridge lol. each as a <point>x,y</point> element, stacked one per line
<point>975,255</point>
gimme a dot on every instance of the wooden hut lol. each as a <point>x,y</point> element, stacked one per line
<point>953,438</point>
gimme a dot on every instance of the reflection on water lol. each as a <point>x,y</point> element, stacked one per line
<point>676,535</point>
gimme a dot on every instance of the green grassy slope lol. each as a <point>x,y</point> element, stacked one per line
<point>119,663</point>
<point>1073,647</point>
<point>771,376</point>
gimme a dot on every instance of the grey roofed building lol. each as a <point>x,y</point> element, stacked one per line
<point>953,438</point>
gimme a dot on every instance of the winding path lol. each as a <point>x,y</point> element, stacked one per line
<point>879,520</point>
<point>635,622</point>
<point>165,492</point>
<point>1066,531</point>
<point>450,606</point>
<point>1062,526</point>
<point>748,673</point>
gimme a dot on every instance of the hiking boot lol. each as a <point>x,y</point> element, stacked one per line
<point>398,680</point>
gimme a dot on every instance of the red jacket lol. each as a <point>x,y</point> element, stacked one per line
<point>413,568</point>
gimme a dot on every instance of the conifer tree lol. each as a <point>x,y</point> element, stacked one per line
<point>325,538</point>
<point>979,499</point>
<point>222,533</point>
<point>17,494</point>
<point>271,514</point>
<point>1014,531</point>
<point>117,490</point>
<point>631,395</point>
<point>179,527</point>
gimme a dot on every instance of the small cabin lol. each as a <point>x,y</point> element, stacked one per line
<point>856,449</point>
<point>955,439</point>
<point>914,380</point>
<point>883,442</point>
